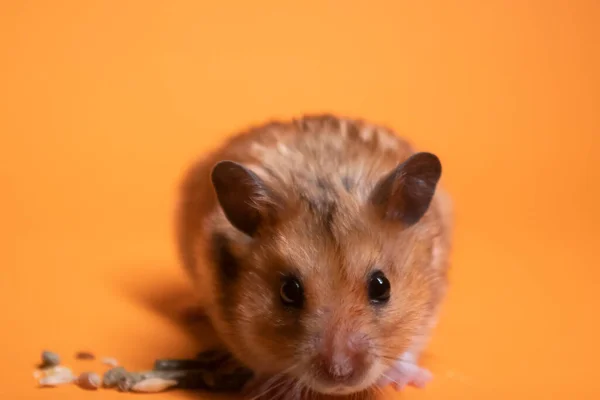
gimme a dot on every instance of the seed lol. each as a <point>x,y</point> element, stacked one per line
<point>85,355</point>
<point>50,359</point>
<point>55,380</point>
<point>112,376</point>
<point>127,381</point>
<point>89,380</point>
<point>56,376</point>
<point>56,370</point>
<point>110,361</point>
<point>130,379</point>
<point>153,385</point>
<point>174,364</point>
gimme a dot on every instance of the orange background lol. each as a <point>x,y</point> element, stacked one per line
<point>103,104</point>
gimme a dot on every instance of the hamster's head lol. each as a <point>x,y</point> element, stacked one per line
<point>327,285</point>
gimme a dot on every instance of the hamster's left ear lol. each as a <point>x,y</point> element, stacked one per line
<point>405,193</point>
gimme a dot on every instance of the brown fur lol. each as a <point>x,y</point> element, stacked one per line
<point>321,170</point>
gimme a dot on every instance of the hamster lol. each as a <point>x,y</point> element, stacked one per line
<point>319,250</point>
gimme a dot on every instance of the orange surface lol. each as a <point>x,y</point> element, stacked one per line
<point>104,103</point>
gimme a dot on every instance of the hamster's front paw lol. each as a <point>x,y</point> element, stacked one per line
<point>404,372</point>
<point>217,371</point>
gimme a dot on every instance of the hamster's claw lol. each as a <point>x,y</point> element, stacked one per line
<point>405,372</point>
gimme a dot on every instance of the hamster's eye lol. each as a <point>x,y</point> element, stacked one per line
<point>379,288</point>
<point>291,292</point>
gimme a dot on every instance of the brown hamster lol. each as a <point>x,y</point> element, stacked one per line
<point>319,249</point>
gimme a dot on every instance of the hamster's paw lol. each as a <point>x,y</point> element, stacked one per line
<point>405,372</point>
<point>217,371</point>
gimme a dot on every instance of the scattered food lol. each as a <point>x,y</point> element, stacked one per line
<point>110,361</point>
<point>89,381</point>
<point>128,380</point>
<point>56,370</point>
<point>85,355</point>
<point>50,359</point>
<point>55,376</point>
<point>212,370</point>
<point>112,376</point>
<point>153,385</point>
<point>55,380</point>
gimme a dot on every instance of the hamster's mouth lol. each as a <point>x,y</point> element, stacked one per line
<point>326,384</point>
<point>342,390</point>
<point>334,388</point>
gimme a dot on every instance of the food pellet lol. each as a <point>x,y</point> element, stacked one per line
<point>85,355</point>
<point>153,385</point>
<point>112,376</point>
<point>50,359</point>
<point>89,381</point>
<point>110,361</point>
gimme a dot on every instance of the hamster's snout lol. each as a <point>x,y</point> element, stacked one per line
<point>343,359</point>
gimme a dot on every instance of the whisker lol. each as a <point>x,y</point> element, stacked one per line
<point>285,389</point>
<point>268,390</point>
<point>295,390</point>
<point>390,379</point>
<point>272,383</point>
<point>395,358</point>
<point>378,390</point>
<point>299,390</point>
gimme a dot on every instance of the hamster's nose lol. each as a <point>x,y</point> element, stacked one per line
<point>343,362</point>
<point>339,368</point>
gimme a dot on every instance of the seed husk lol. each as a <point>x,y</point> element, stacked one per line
<point>55,380</point>
<point>50,359</point>
<point>85,355</point>
<point>153,385</point>
<point>112,376</point>
<point>89,381</point>
<point>55,376</point>
<point>127,381</point>
<point>56,370</point>
<point>110,361</point>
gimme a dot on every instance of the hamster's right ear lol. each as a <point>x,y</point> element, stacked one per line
<point>245,199</point>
